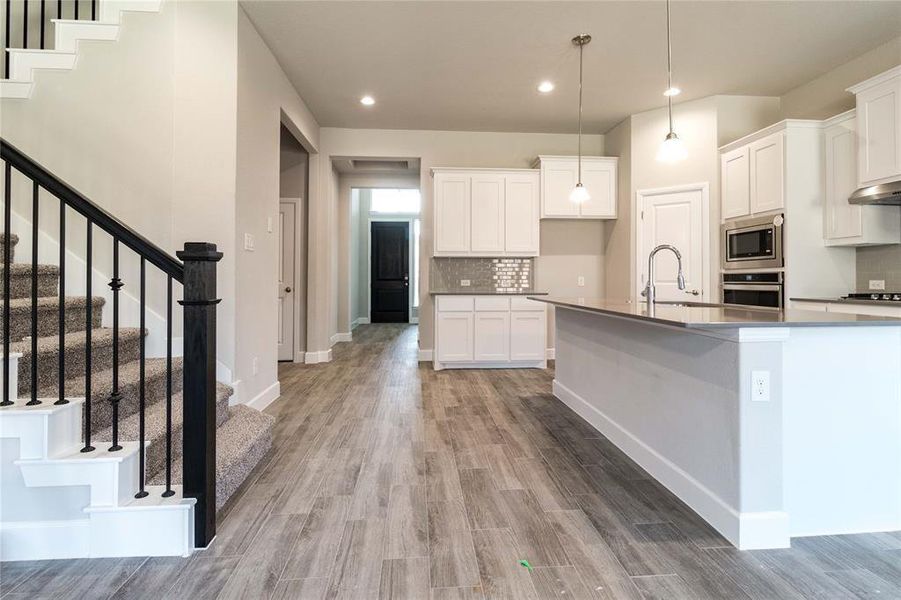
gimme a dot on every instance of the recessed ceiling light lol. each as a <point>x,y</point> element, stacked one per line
<point>367,100</point>
<point>673,91</point>
<point>545,86</point>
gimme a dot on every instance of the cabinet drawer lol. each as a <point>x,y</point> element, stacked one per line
<point>484,303</point>
<point>522,303</point>
<point>454,303</point>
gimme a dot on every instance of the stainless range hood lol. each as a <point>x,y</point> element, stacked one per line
<point>885,194</point>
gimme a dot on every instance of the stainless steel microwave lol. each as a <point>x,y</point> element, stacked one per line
<point>753,243</point>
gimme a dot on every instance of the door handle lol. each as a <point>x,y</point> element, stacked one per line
<point>287,290</point>
<point>693,292</point>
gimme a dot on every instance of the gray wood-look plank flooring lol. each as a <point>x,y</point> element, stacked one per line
<point>389,480</point>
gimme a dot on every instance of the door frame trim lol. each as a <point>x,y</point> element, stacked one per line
<point>389,219</point>
<point>638,203</point>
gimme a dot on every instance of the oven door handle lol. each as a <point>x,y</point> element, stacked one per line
<point>752,286</point>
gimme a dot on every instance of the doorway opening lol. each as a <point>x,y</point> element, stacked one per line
<point>292,230</point>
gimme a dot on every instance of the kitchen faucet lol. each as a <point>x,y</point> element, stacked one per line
<point>649,289</point>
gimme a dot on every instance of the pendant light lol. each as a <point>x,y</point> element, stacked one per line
<point>672,149</point>
<point>579,194</point>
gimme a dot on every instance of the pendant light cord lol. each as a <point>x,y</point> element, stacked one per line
<point>581,48</point>
<point>669,68</point>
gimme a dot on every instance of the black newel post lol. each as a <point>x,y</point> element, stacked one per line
<point>199,447</point>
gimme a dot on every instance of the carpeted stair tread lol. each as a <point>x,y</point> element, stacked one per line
<point>20,279</point>
<point>155,427</point>
<point>48,315</point>
<point>241,442</point>
<point>48,355</point>
<point>129,388</point>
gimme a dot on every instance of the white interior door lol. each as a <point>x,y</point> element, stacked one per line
<point>286,287</point>
<point>674,217</point>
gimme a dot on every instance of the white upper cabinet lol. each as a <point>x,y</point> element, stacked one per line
<point>452,209</point>
<point>560,173</point>
<point>847,224</point>
<point>767,162</point>
<point>486,212</point>
<point>879,128</point>
<point>736,182</point>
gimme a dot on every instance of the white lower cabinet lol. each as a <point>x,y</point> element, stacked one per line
<point>489,332</point>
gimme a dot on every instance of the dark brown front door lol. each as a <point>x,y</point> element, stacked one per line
<point>390,278</point>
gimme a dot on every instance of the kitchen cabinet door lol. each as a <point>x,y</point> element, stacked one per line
<point>599,178</point>
<point>735,172</point>
<point>452,213</point>
<point>843,220</point>
<point>767,161</point>
<point>528,333</point>
<point>454,336</point>
<point>492,336</point>
<point>879,127</point>
<point>487,214</point>
<point>557,180</point>
<point>521,208</point>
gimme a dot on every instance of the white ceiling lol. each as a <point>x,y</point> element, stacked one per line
<point>463,65</point>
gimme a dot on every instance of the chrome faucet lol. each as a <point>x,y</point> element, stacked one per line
<point>649,289</point>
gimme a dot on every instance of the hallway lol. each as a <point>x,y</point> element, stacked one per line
<point>391,480</point>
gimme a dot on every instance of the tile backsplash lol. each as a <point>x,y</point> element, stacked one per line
<point>879,262</point>
<point>496,274</point>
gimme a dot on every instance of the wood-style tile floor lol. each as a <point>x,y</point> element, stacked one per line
<point>388,480</point>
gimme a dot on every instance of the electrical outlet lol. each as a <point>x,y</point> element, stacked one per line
<point>877,284</point>
<point>256,365</point>
<point>248,241</point>
<point>580,281</point>
<point>760,386</point>
<point>465,283</point>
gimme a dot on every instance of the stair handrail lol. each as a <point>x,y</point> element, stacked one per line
<point>100,217</point>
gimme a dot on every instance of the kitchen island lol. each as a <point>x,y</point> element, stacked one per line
<point>769,424</point>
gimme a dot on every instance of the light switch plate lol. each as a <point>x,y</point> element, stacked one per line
<point>877,284</point>
<point>269,224</point>
<point>248,242</point>
<point>465,283</point>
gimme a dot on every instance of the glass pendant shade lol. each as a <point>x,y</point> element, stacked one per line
<point>579,194</point>
<point>672,149</point>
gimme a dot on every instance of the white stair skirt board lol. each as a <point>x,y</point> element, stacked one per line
<point>747,531</point>
<point>67,36</point>
<point>322,356</point>
<point>69,504</point>
<point>266,397</point>
<point>13,375</point>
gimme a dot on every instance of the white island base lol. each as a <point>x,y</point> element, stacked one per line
<point>816,451</point>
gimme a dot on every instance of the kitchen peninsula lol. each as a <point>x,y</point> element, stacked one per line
<point>769,424</point>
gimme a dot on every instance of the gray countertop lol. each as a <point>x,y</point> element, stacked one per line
<point>483,292</point>
<point>851,301</point>
<point>716,316</point>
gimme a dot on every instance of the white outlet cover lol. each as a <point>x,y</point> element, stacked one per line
<point>877,284</point>
<point>581,281</point>
<point>248,241</point>
<point>465,283</point>
<point>760,386</point>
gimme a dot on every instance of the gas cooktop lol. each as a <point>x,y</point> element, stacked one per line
<point>878,296</point>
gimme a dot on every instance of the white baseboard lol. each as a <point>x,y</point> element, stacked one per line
<point>341,337</point>
<point>549,354</point>
<point>359,321</point>
<point>266,397</point>
<point>425,356</point>
<point>414,320</point>
<point>322,356</point>
<point>747,531</point>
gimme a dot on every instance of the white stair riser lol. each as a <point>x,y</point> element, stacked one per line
<point>45,540</point>
<point>113,482</point>
<point>151,531</point>
<point>69,33</point>
<point>22,63</point>
<point>44,431</point>
<point>13,372</point>
<point>111,10</point>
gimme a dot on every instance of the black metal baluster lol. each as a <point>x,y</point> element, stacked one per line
<point>7,265</point>
<point>43,17</point>
<point>25,23</point>
<point>6,40</point>
<point>76,10</point>
<point>89,255</point>
<point>142,493</point>
<point>34,296</point>
<point>169,491</point>
<point>115,284</point>
<point>93,10</point>
<point>59,9</point>
<point>62,304</point>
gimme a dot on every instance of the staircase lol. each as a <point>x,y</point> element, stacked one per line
<point>77,390</point>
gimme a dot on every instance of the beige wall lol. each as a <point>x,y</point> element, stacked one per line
<point>825,96</point>
<point>619,252</point>
<point>435,149</point>
<point>265,101</point>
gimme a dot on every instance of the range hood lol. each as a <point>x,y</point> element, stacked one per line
<point>885,194</point>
